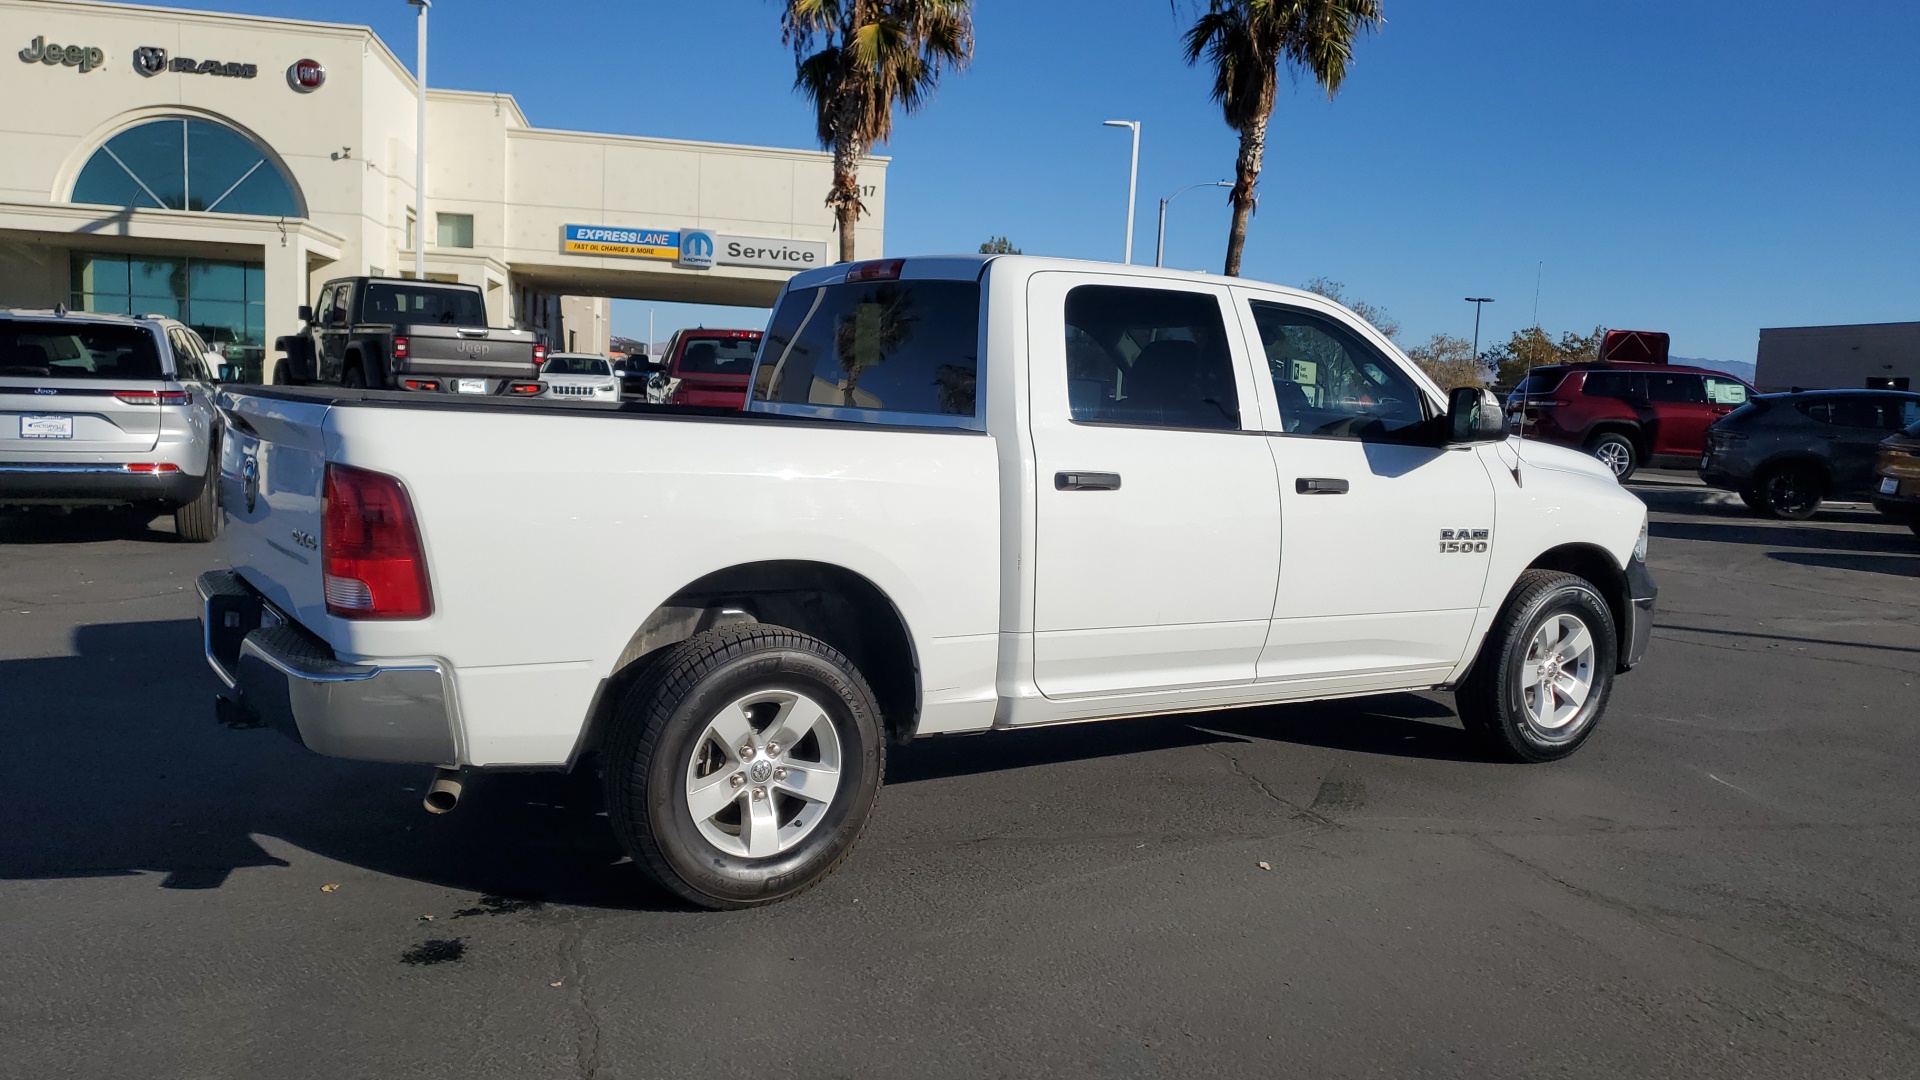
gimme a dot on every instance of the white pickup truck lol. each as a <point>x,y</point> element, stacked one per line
<point>966,494</point>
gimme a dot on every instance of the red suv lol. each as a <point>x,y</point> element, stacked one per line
<point>1627,415</point>
<point>712,366</point>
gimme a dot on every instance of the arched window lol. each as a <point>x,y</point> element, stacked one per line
<point>181,164</point>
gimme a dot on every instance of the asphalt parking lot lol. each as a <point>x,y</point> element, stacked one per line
<point>1724,882</point>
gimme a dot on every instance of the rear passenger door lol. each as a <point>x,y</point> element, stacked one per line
<point>1157,522</point>
<point>1857,425</point>
<point>1681,412</point>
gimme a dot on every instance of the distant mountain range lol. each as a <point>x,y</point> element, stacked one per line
<point>1738,368</point>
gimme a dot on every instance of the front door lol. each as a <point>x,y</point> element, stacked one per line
<point>1385,534</point>
<point>1157,525</point>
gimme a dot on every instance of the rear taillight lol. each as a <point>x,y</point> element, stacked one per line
<point>370,548</point>
<point>154,397</point>
<point>422,384</point>
<point>400,346</point>
<point>525,389</point>
<point>150,468</point>
<point>539,355</point>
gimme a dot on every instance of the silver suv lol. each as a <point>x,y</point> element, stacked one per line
<point>105,409</point>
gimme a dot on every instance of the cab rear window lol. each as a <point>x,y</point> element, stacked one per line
<point>60,349</point>
<point>719,356</point>
<point>880,346</point>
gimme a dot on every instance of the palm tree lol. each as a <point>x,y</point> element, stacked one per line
<point>855,60</point>
<point>1247,41</point>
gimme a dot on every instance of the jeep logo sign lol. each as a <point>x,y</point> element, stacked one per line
<point>84,57</point>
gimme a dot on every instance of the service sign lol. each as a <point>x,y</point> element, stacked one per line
<point>632,243</point>
<point>772,254</point>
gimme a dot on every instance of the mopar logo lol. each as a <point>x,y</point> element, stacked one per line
<point>474,348</point>
<point>696,249</point>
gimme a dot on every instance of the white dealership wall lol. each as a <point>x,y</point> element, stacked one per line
<point>348,148</point>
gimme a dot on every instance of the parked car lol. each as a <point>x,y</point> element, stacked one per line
<point>1896,489</point>
<point>1785,453</point>
<point>403,334</point>
<point>967,493</point>
<point>99,410</point>
<point>1626,415</point>
<point>709,367</point>
<point>580,377</point>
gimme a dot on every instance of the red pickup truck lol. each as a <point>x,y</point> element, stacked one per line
<point>709,367</point>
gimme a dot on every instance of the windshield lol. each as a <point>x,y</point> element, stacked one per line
<point>576,365</point>
<point>66,350</point>
<point>390,303</point>
<point>719,356</point>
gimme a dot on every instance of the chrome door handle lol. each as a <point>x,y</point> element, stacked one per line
<point>1319,485</point>
<point>1086,481</point>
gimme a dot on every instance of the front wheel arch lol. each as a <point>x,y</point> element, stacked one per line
<point>1597,567</point>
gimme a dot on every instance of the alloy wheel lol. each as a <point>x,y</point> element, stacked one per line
<point>1557,675</point>
<point>763,773</point>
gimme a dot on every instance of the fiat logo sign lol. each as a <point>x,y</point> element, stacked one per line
<point>306,75</point>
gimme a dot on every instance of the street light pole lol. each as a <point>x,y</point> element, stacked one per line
<point>1133,178</point>
<point>1476,301</point>
<point>1160,245</point>
<point>420,149</point>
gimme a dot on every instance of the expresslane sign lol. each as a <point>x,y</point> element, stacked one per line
<point>694,249</point>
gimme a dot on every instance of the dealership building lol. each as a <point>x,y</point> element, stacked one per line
<point>1879,356</point>
<point>217,168</point>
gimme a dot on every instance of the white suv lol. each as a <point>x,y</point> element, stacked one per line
<point>106,409</point>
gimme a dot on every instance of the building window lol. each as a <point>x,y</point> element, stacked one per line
<point>193,165</point>
<point>224,302</point>
<point>456,230</point>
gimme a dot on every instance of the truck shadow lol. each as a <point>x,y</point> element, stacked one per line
<point>82,526</point>
<point>111,764</point>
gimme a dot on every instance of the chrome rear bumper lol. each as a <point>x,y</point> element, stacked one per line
<point>287,679</point>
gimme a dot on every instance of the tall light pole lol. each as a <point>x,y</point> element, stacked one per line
<point>1133,177</point>
<point>1160,245</point>
<point>420,149</point>
<point>1476,301</point>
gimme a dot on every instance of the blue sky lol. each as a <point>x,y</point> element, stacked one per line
<point>1705,167</point>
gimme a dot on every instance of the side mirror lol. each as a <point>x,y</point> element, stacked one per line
<point>1474,416</point>
<point>306,313</point>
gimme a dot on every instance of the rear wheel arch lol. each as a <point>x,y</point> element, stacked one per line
<point>1798,459</point>
<point>840,607</point>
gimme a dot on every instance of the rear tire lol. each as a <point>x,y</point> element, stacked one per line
<point>722,829</point>
<point>198,522</point>
<point>1617,453</point>
<point>1790,492</point>
<point>1544,673</point>
<point>355,378</point>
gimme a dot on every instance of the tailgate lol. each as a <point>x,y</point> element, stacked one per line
<point>50,419</point>
<point>468,350</point>
<point>272,468</point>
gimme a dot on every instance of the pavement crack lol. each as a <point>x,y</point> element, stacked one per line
<point>1660,926</point>
<point>573,969</point>
<point>1298,811</point>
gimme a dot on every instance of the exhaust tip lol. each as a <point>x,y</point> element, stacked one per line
<point>444,793</point>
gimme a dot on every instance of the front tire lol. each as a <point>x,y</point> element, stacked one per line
<point>1617,453</point>
<point>743,765</point>
<point>1544,672</point>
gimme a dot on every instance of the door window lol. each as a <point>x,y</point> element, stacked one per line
<point>1150,357</point>
<point>1856,413</point>
<point>323,316</point>
<point>1723,391</point>
<point>1329,382</point>
<point>1610,384</point>
<point>1675,386</point>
